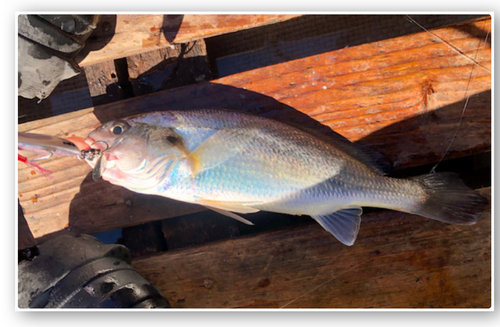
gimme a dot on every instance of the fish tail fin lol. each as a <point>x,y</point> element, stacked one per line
<point>449,200</point>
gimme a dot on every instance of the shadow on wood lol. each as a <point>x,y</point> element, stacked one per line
<point>101,36</point>
<point>475,31</point>
<point>310,35</point>
<point>25,238</point>
<point>431,134</point>
<point>182,65</point>
<point>170,26</point>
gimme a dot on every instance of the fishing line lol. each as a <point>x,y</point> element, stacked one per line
<point>466,95</point>
<point>449,44</point>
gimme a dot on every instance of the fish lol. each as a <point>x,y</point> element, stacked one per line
<point>237,163</point>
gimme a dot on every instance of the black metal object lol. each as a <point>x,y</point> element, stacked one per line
<point>81,272</point>
<point>47,46</point>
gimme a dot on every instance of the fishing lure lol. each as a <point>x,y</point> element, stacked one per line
<point>48,146</point>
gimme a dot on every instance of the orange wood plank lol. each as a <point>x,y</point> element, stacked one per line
<point>134,34</point>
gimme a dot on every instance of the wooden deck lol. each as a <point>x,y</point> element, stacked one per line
<point>404,96</point>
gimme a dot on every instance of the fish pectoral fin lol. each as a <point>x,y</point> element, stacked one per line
<point>230,215</point>
<point>343,224</point>
<point>215,150</point>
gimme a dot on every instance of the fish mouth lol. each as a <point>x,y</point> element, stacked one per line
<point>100,145</point>
<point>103,146</point>
<point>90,141</point>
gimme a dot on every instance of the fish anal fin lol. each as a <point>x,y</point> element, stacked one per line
<point>343,224</point>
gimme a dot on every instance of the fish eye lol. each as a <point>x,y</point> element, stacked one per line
<point>118,127</point>
<point>172,139</point>
<point>117,130</point>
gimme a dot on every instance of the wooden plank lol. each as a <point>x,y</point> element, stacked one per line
<point>398,261</point>
<point>103,84</point>
<point>165,68</point>
<point>169,67</point>
<point>134,34</point>
<point>403,96</point>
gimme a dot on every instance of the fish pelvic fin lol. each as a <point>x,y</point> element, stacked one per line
<point>449,200</point>
<point>343,224</point>
<point>238,207</point>
<point>230,215</point>
<point>228,208</point>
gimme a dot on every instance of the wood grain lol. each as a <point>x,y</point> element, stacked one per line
<point>398,261</point>
<point>403,96</point>
<point>134,34</point>
<point>100,77</point>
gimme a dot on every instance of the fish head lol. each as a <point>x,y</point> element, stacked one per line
<point>134,152</point>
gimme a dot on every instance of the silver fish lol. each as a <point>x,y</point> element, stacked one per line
<point>234,162</point>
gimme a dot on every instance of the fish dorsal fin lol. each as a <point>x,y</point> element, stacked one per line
<point>343,224</point>
<point>216,149</point>
<point>374,159</point>
<point>230,215</point>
